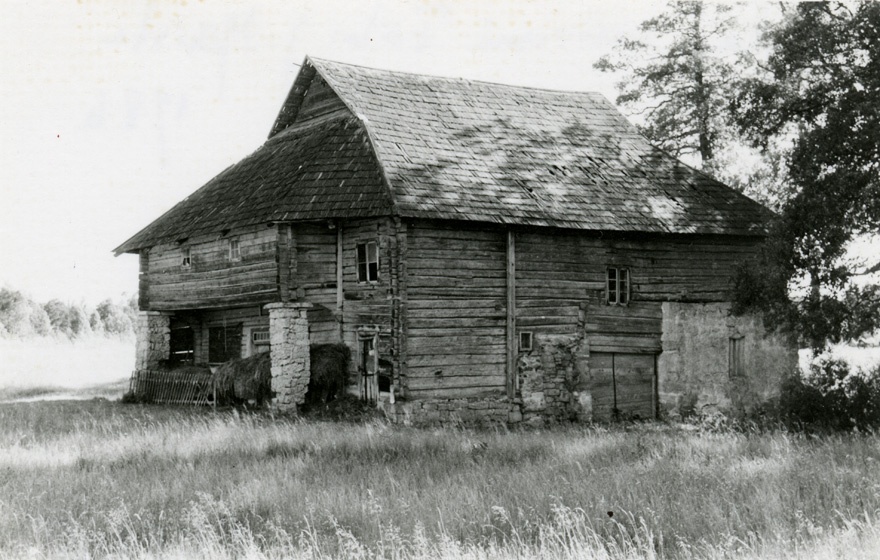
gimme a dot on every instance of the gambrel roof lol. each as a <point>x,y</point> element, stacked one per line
<point>394,143</point>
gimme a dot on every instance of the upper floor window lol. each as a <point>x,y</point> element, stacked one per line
<point>367,262</point>
<point>617,286</point>
<point>186,257</point>
<point>234,250</point>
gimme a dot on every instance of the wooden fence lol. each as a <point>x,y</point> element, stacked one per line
<point>173,386</point>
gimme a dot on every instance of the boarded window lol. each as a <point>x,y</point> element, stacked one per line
<point>186,257</point>
<point>367,262</point>
<point>234,250</point>
<point>617,286</point>
<point>224,343</point>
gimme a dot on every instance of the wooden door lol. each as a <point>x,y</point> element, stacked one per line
<point>623,385</point>
<point>369,368</point>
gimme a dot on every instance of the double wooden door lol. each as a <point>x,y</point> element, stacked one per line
<point>623,385</point>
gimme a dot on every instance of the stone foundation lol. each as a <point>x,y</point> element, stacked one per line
<point>153,345</point>
<point>549,380</point>
<point>289,350</point>
<point>480,411</point>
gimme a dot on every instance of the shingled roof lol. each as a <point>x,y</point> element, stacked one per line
<point>443,148</point>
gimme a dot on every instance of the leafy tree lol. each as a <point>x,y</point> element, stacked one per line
<point>21,316</point>
<point>820,88</point>
<point>59,316</point>
<point>79,321</point>
<point>672,79</point>
<point>114,318</point>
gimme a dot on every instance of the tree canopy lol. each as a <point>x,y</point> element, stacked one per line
<point>672,79</point>
<point>811,105</point>
<point>820,86</point>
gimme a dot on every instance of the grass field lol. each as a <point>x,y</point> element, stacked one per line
<point>58,368</point>
<point>96,479</point>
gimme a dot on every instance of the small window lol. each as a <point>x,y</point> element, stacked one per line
<point>234,250</point>
<point>260,337</point>
<point>259,341</point>
<point>525,341</point>
<point>186,260</point>
<point>617,286</point>
<point>367,262</point>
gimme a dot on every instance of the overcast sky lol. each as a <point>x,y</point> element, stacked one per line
<point>113,111</point>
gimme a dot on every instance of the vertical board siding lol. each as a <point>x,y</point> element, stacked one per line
<point>213,280</point>
<point>456,289</point>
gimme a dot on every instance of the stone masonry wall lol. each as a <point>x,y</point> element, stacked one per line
<point>694,373</point>
<point>549,379</point>
<point>480,411</point>
<point>289,351</point>
<point>153,343</point>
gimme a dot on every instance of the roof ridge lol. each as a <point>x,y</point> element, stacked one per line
<point>454,78</point>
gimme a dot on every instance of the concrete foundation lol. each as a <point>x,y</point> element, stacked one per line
<point>289,351</point>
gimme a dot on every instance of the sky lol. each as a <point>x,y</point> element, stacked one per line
<point>113,111</point>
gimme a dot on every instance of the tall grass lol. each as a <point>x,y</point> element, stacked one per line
<point>100,479</point>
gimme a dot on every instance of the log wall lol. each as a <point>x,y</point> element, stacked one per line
<point>315,279</point>
<point>212,280</point>
<point>456,312</point>
<point>368,305</point>
<point>561,279</point>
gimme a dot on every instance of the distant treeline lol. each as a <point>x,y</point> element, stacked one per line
<point>20,316</point>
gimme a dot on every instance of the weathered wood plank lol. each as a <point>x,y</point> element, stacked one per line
<point>512,343</point>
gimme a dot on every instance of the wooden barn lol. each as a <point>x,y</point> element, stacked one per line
<point>488,252</point>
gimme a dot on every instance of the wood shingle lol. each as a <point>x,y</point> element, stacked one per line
<point>378,142</point>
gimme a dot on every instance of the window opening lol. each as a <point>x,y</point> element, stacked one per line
<point>182,344</point>
<point>259,340</point>
<point>224,343</point>
<point>617,286</point>
<point>367,262</point>
<point>525,341</point>
<point>234,250</point>
<point>186,259</point>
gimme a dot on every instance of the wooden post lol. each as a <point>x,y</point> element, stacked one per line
<point>282,261</point>
<point>339,292</point>
<point>144,280</point>
<point>511,314</point>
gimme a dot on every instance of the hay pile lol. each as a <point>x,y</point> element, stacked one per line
<point>329,371</point>
<point>250,379</point>
<point>245,379</point>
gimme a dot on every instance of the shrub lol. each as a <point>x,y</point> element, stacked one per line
<point>831,396</point>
